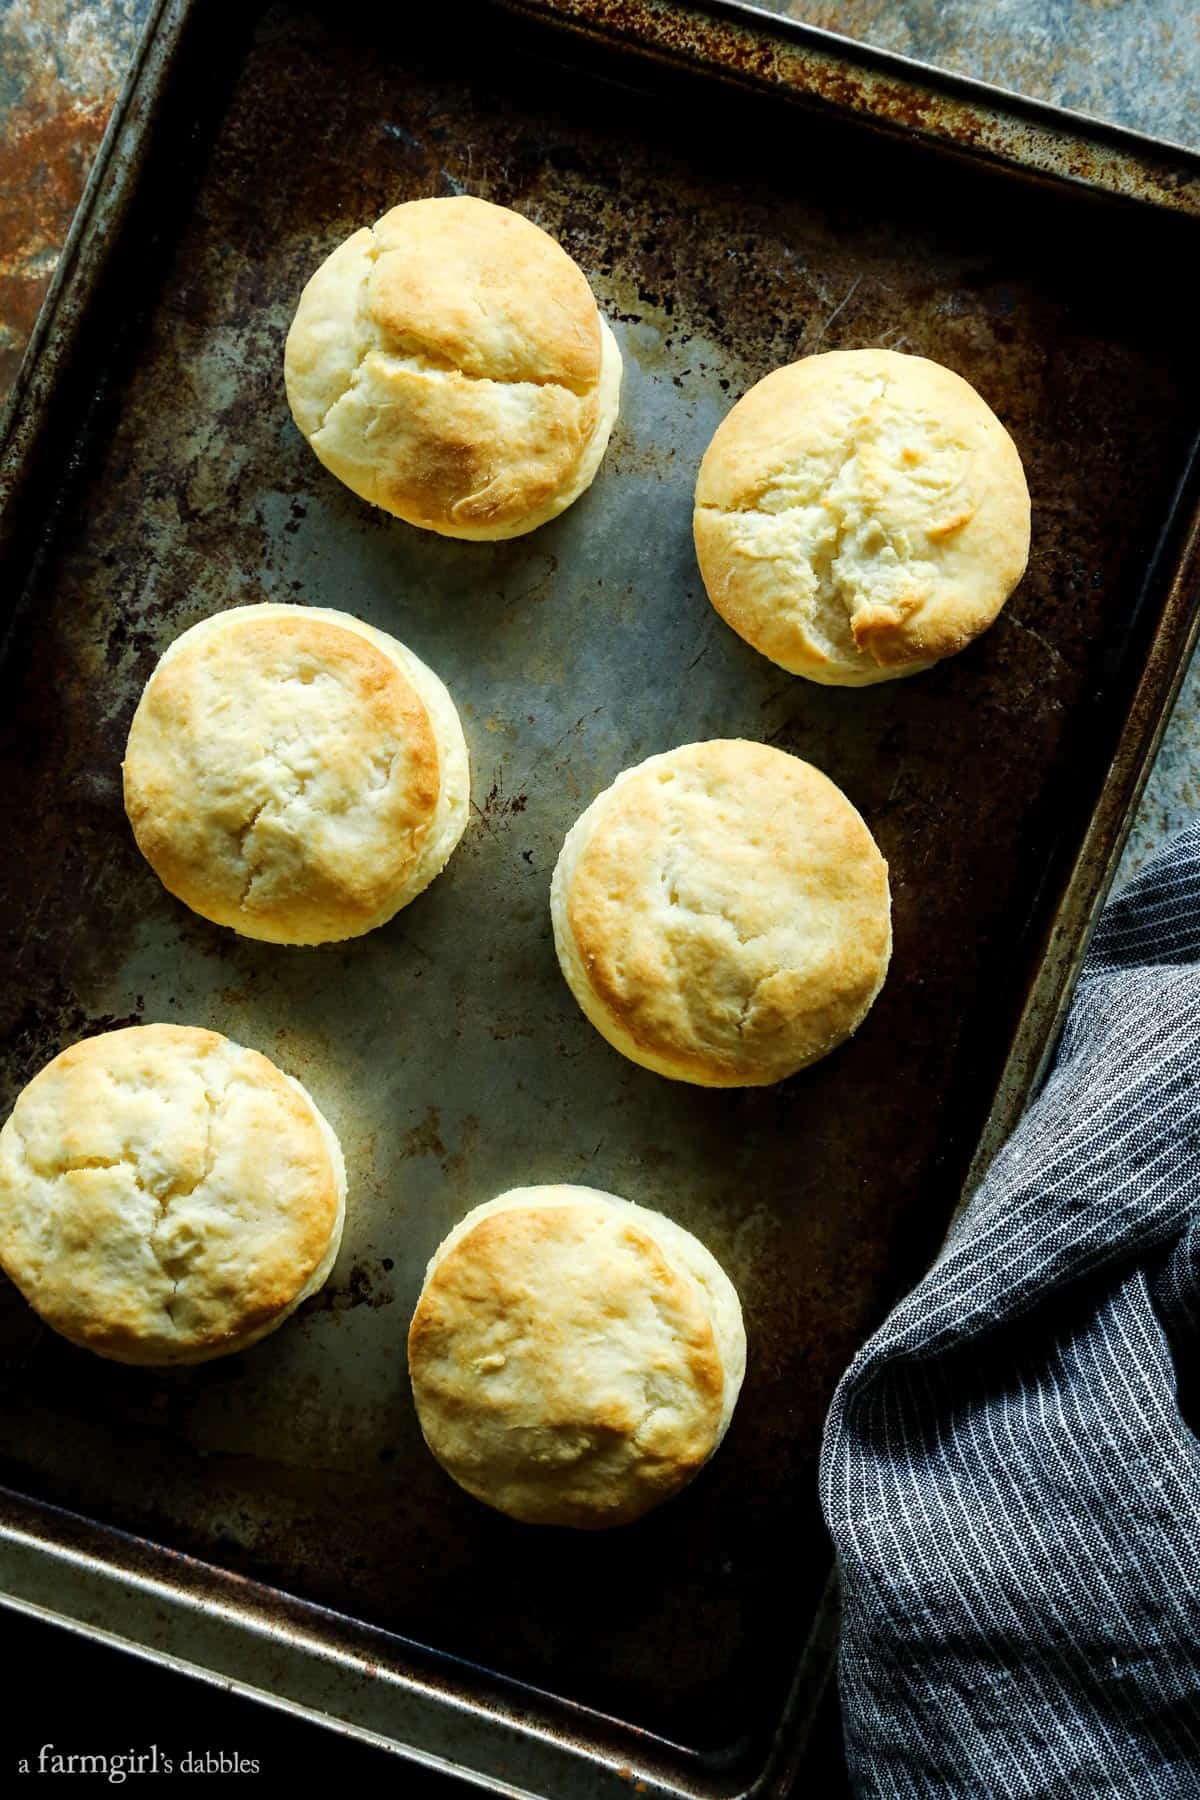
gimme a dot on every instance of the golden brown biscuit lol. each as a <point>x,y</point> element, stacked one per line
<point>295,774</point>
<point>721,913</point>
<point>860,515</point>
<point>575,1359</point>
<point>449,364</point>
<point>167,1196</point>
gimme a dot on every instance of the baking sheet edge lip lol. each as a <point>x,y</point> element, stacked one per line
<point>71,1545</point>
<point>1093,866</point>
<point>489,1784</point>
<point>1067,123</point>
<point>1071,120</point>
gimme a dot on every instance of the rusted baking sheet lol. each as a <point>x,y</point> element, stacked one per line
<point>275,1520</point>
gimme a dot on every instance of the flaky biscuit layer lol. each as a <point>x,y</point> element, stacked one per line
<point>860,515</point>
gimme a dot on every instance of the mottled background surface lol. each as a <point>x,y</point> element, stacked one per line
<point>61,63</point>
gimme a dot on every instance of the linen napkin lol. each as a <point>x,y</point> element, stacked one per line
<point>1009,1472</point>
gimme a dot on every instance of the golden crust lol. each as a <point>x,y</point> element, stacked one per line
<point>167,1196</point>
<point>449,364</point>
<point>284,775</point>
<point>722,914</point>
<point>575,1359</point>
<point>860,515</point>
<point>485,291</point>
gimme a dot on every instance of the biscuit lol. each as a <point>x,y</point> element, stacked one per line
<point>167,1196</point>
<point>295,774</point>
<point>722,915</point>
<point>449,364</point>
<point>575,1359</point>
<point>860,515</point>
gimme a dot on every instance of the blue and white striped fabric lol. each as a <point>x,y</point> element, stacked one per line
<point>1009,1474</point>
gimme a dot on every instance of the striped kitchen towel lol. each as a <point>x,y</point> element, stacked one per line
<point>1010,1473</point>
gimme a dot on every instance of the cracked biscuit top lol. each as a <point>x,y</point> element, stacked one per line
<point>575,1359</point>
<point>722,914</point>
<point>449,365</point>
<point>167,1196</point>
<point>860,515</point>
<point>295,774</point>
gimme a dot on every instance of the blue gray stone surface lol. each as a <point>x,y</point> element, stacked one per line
<point>1135,62</point>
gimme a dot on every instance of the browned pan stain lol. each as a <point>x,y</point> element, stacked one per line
<point>499,805</point>
<point>366,1284</point>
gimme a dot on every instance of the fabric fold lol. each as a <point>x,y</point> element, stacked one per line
<point>1008,1474</point>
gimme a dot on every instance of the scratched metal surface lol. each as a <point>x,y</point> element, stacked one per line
<point>722,237</point>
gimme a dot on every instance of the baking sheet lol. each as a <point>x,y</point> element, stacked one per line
<point>723,234</point>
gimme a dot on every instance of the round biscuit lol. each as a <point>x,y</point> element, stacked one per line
<point>167,1196</point>
<point>449,364</point>
<point>860,515</point>
<point>722,914</point>
<point>575,1359</point>
<point>295,774</point>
